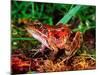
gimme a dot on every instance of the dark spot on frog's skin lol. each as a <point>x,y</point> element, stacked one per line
<point>45,31</point>
<point>56,36</point>
<point>63,30</point>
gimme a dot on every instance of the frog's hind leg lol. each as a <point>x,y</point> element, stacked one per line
<point>77,40</point>
<point>74,45</point>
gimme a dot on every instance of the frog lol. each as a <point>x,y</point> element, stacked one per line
<point>55,37</point>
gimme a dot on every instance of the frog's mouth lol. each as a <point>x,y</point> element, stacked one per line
<point>39,36</point>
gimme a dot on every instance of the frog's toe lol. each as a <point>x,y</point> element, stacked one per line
<point>67,53</point>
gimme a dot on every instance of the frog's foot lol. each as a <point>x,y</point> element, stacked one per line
<point>38,51</point>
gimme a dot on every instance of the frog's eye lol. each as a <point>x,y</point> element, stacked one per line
<point>38,25</point>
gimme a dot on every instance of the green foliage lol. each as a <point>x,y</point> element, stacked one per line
<point>69,14</point>
<point>53,13</point>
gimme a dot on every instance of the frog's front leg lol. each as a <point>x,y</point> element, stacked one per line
<point>41,50</point>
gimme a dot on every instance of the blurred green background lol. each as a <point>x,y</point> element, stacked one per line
<point>81,18</point>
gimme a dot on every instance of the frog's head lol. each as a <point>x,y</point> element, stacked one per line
<point>38,31</point>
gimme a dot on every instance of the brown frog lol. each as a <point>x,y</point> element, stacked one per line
<point>55,37</point>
